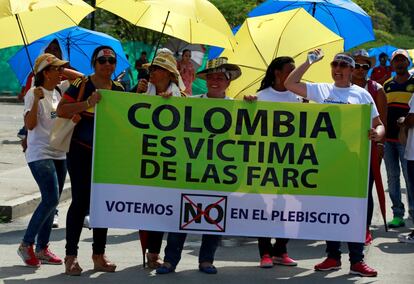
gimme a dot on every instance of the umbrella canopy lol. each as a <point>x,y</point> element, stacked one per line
<point>376,51</point>
<point>77,45</point>
<point>24,21</point>
<point>343,17</point>
<point>177,46</point>
<point>194,21</point>
<point>293,33</point>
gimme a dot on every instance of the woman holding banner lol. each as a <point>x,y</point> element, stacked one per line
<point>80,98</point>
<point>164,80</point>
<point>272,89</point>
<point>218,75</point>
<point>342,91</point>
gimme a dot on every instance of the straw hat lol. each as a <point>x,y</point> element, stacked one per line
<point>47,59</point>
<point>220,65</point>
<point>363,54</point>
<point>167,61</point>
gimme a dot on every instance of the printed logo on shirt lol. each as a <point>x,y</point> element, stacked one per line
<point>53,114</point>
<point>330,101</point>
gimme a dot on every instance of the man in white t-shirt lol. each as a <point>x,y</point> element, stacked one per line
<point>409,155</point>
<point>342,91</point>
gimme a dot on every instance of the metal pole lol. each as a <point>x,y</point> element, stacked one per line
<point>159,40</point>
<point>22,33</point>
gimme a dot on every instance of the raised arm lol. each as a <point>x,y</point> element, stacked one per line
<point>293,82</point>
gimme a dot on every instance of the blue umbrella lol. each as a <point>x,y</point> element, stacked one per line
<point>343,17</point>
<point>77,46</point>
<point>376,51</point>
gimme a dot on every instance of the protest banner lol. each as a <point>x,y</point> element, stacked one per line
<point>231,167</point>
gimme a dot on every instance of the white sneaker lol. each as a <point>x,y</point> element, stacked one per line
<point>55,221</point>
<point>86,222</point>
<point>406,238</point>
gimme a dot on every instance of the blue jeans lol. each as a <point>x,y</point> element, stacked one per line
<point>356,251</point>
<point>393,155</point>
<point>175,244</point>
<point>50,177</point>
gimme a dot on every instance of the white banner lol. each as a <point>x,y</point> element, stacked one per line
<point>235,214</point>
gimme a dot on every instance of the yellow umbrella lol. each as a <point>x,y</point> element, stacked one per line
<point>293,33</point>
<point>24,21</point>
<point>194,21</point>
<point>411,53</point>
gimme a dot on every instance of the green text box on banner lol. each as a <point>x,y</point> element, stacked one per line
<point>232,146</point>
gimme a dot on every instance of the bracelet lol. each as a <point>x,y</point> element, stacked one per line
<point>87,102</point>
<point>380,144</point>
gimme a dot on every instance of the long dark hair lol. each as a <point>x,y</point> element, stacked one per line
<point>276,64</point>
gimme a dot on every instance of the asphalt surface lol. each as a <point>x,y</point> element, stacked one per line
<point>239,264</point>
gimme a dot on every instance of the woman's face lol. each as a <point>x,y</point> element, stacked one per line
<point>158,75</point>
<point>361,69</point>
<point>280,76</point>
<point>187,56</point>
<point>105,66</point>
<point>53,74</point>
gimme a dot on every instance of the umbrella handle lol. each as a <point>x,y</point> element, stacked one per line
<point>159,40</point>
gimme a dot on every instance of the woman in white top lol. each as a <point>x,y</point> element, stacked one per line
<point>272,89</point>
<point>47,165</point>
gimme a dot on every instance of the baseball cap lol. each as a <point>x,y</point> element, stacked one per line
<point>45,60</point>
<point>402,52</point>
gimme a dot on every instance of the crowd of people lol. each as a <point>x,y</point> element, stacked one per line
<point>59,91</point>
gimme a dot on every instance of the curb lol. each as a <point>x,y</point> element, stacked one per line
<point>10,99</point>
<point>22,206</point>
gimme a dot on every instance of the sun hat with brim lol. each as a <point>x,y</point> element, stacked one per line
<point>167,61</point>
<point>363,54</point>
<point>220,65</point>
<point>45,60</point>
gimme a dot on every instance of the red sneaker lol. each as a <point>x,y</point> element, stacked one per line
<point>47,257</point>
<point>28,256</point>
<point>328,264</point>
<point>368,238</point>
<point>284,260</point>
<point>362,269</point>
<point>266,261</point>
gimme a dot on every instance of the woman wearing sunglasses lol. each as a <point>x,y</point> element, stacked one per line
<point>363,62</point>
<point>47,164</point>
<point>80,98</point>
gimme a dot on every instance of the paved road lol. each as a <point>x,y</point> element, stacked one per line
<point>393,260</point>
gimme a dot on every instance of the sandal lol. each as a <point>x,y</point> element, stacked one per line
<point>72,267</point>
<point>153,260</point>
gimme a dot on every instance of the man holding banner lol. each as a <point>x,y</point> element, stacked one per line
<point>340,92</point>
<point>218,75</point>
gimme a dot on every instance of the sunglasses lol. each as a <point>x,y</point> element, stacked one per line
<point>341,64</point>
<point>103,60</point>
<point>363,66</point>
<point>57,68</point>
